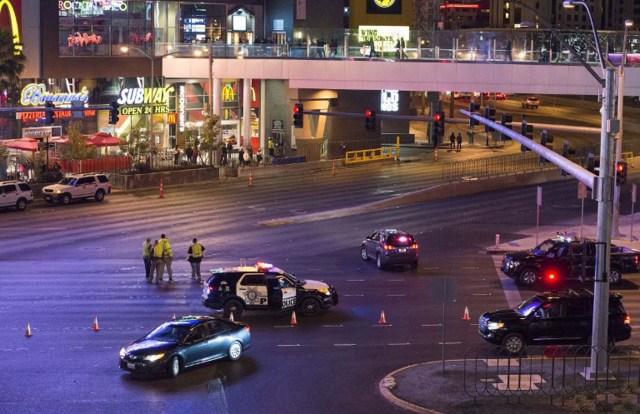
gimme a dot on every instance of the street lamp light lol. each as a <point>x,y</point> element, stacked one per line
<point>615,223</point>
<point>125,49</point>
<point>603,192</point>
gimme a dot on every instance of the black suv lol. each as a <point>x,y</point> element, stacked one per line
<point>552,318</point>
<point>391,247</point>
<point>265,287</point>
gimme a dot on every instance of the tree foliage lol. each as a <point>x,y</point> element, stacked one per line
<point>138,146</point>
<point>76,148</point>
<point>11,66</point>
<point>210,137</point>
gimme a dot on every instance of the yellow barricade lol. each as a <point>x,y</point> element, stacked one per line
<point>375,154</point>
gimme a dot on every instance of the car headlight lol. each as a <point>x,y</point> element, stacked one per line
<point>494,326</point>
<point>324,291</point>
<point>153,357</point>
<point>57,191</point>
<point>123,353</point>
<point>514,263</point>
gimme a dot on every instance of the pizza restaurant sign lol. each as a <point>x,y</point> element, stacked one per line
<point>36,94</point>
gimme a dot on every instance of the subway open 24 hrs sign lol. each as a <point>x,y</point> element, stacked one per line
<point>384,6</point>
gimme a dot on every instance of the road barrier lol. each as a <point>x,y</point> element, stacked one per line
<point>551,371</point>
<point>375,154</point>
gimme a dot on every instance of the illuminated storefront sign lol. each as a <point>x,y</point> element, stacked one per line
<point>182,111</point>
<point>13,10</point>
<point>36,94</point>
<point>60,114</point>
<point>92,5</point>
<point>384,6</point>
<point>145,101</point>
<point>389,100</point>
<point>389,35</point>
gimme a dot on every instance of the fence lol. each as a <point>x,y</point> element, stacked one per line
<point>553,371</point>
<point>497,166</point>
<point>104,164</point>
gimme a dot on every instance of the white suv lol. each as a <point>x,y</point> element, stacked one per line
<point>15,194</point>
<point>78,186</point>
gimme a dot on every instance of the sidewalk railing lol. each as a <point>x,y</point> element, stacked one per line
<point>496,166</point>
<point>552,371</point>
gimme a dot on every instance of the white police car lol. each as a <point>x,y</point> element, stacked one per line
<point>265,287</point>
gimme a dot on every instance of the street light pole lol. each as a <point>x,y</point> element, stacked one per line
<point>615,222</point>
<point>603,192</point>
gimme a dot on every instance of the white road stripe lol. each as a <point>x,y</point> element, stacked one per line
<point>344,344</point>
<point>289,345</point>
<point>482,294</point>
<point>283,326</point>
<point>431,325</point>
<point>395,280</point>
<point>332,326</point>
<point>352,295</point>
<point>469,267</point>
<point>355,280</point>
<point>400,344</point>
<point>450,343</point>
<point>397,295</point>
<point>382,325</point>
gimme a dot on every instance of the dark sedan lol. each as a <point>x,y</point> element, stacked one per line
<point>391,247</point>
<point>183,343</point>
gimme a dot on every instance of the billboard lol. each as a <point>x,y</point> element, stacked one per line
<point>384,6</point>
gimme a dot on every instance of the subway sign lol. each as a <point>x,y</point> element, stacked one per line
<point>141,101</point>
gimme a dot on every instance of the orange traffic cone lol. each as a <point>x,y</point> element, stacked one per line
<point>161,188</point>
<point>294,320</point>
<point>96,328</point>
<point>333,170</point>
<point>466,316</point>
<point>435,154</point>
<point>250,178</point>
<point>231,318</point>
<point>27,332</point>
<point>382,320</point>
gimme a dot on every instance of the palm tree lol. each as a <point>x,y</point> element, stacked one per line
<point>11,67</point>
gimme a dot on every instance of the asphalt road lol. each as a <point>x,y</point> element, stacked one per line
<point>65,265</point>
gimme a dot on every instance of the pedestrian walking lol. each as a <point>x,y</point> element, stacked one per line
<point>223,156</point>
<point>153,261</point>
<point>167,255</point>
<point>259,156</point>
<point>189,153</point>
<point>270,147</point>
<point>157,257</point>
<point>195,252</point>
<point>146,256</point>
<point>459,140</point>
<point>333,48</point>
<point>176,154</point>
<point>229,149</point>
<point>452,139</point>
<point>508,54</point>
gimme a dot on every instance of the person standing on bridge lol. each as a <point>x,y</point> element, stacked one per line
<point>459,140</point>
<point>452,139</point>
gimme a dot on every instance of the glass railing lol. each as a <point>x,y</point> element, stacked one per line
<point>527,46</point>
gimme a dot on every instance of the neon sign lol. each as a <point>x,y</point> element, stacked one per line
<point>181,109</point>
<point>146,96</point>
<point>86,5</point>
<point>36,94</point>
<point>389,100</point>
<point>13,21</point>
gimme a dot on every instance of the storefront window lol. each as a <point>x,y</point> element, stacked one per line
<point>100,27</point>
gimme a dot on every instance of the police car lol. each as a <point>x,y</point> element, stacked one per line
<point>265,287</point>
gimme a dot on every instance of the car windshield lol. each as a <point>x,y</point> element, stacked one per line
<point>544,247</point>
<point>67,181</point>
<point>169,332</point>
<point>528,306</point>
<point>294,279</point>
<point>400,240</point>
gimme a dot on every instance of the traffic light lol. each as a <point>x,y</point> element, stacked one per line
<point>473,107</point>
<point>438,123</point>
<point>490,114</point>
<point>114,112</point>
<point>370,119</point>
<point>50,114</point>
<point>621,173</point>
<point>298,114</point>
<point>527,131</point>
<point>506,122</point>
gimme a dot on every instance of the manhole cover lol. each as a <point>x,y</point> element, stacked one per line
<point>91,249</point>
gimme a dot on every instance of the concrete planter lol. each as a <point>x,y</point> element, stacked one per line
<point>174,177</point>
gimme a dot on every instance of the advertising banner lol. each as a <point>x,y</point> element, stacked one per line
<point>384,6</point>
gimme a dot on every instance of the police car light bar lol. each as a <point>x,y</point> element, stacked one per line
<point>263,265</point>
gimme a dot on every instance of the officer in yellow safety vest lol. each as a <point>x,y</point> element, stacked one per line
<point>167,255</point>
<point>157,262</point>
<point>195,252</point>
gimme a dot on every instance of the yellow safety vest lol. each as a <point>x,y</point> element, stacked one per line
<point>157,250</point>
<point>166,248</point>
<point>146,249</point>
<point>196,250</point>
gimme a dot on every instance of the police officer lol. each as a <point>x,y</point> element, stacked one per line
<point>167,256</point>
<point>146,256</point>
<point>157,262</point>
<point>196,252</point>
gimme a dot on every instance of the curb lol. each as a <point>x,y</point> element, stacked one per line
<point>389,382</point>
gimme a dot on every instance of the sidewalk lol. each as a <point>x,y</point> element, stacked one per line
<point>424,388</point>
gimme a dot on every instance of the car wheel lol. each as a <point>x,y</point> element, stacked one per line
<point>99,195</point>
<point>174,367</point>
<point>379,261</point>
<point>513,343</point>
<point>615,276</point>
<point>66,199</point>
<point>414,265</point>
<point>233,306</point>
<point>21,204</point>
<point>48,200</point>
<point>363,253</point>
<point>310,306</point>
<point>528,277</point>
<point>235,351</point>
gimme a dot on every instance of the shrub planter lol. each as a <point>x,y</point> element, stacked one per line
<point>173,177</point>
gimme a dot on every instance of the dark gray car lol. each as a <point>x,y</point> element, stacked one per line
<point>391,247</point>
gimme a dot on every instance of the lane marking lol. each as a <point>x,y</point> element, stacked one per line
<point>431,325</point>
<point>332,326</point>
<point>431,268</point>
<point>400,344</point>
<point>289,345</point>
<point>450,343</point>
<point>355,280</point>
<point>469,267</point>
<point>397,295</point>
<point>344,344</point>
<point>283,326</point>
<point>482,294</point>
<point>395,280</point>
<point>360,295</point>
<point>381,326</point>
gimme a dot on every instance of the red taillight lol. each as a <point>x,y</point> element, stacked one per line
<point>551,277</point>
<point>636,260</point>
<point>248,329</point>
<point>627,319</point>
